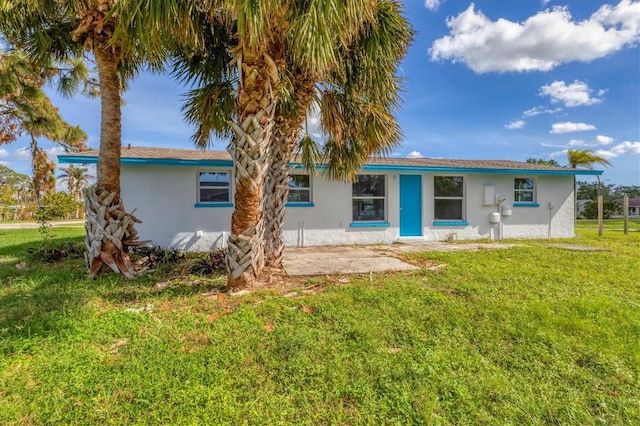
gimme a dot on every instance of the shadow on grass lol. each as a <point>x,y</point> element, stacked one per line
<point>20,250</point>
<point>53,300</point>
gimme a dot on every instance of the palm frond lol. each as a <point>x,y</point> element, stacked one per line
<point>310,152</point>
<point>210,108</point>
<point>585,158</point>
<point>333,121</point>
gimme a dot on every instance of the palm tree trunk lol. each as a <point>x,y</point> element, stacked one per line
<point>282,149</point>
<point>277,190</point>
<point>111,119</point>
<point>109,228</point>
<point>256,106</point>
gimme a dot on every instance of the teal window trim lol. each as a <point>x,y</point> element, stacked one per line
<point>369,224</point>
<point>299,205</point>
<point>450,223</point>
<point>198,205</point>
<point>521,204</point>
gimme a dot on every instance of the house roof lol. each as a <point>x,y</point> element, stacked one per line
<point>633,202</point>
<point>209,158</point>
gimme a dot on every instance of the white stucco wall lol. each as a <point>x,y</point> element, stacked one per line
<point>165,198</point>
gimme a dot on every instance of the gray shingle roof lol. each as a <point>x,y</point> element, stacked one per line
<point>197,154</point>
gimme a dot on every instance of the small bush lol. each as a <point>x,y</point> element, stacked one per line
<point>60,205</point>
<point>212,263</point>
<point>156,255</point>
<point>52,252</point>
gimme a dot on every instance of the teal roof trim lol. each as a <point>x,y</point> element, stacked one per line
<point>438,169</point>
<point>65,159</point>
<point>81,159</point>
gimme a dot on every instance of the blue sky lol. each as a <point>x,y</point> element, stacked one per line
<point>495,79</point>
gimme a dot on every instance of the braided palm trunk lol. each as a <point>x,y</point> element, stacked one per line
<point>277,190</point>
<point>256,105</point>
<point>282,150</point>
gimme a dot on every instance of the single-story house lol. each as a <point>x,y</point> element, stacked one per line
<point>634,205</point>
<point>185,199</point>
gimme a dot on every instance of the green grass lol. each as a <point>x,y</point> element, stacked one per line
<point>526,335</point>
<point>611,224</point>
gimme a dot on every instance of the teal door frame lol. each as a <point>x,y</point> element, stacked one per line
<point>410,205</point>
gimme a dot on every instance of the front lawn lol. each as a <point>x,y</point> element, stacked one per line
<point>533,334</point>
<point>616,223</point>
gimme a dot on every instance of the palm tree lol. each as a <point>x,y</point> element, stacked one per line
<point>584,159</point>
<point>68,177</point>
<point>77,178</point>
<point>116,33</point>
<point>282,50</point>
<point>44,181</point>
<point>355,101</point>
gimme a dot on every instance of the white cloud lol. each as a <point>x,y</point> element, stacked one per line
<point>519,124</point>
<point>577,142</point>
<point>312,124</point>
<point>540,110</point>
<point>572,95</point>
<point>552,145</point>
<point>625,148</point>
<point>4,163</point>
<point>557,154</point>
<point>53,153</point>
<point>415,154</point>
<point>604,140</point>
<point>433,4</point>
<point>568,127</point>
<point>3,153</point>
<point>23,154</point>
<point>539,43</point>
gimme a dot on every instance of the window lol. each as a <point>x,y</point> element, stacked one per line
<point>448,197</point>
<point>214,187</point>
<point>524,190</point>
<point>369,198</point>
<point>299,189</point>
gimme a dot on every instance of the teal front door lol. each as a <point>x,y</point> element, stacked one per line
<point>410,205</point>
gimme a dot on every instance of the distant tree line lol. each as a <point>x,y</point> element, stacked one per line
<point>22,196</point>
<point>611,194</point>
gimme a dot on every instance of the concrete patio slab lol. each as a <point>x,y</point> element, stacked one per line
<point>340,260</point>
<point>329,260</point>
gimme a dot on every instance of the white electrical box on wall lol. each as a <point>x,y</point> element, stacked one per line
<point>500,199</point>
<point>489,195</point>
<point>494,217</point>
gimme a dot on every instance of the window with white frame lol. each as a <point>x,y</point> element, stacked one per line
<point>448,198</point>
<point>524,190</point>
<point>214,187</point>
<point>369,198</point>
<point>299,189</point>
